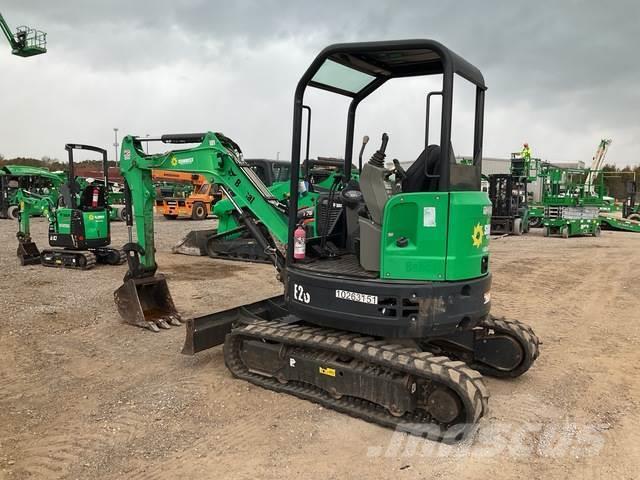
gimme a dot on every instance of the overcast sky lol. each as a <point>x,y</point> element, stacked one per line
<point>561,75</point>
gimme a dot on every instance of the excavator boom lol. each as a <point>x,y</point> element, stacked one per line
<point>144,298</point>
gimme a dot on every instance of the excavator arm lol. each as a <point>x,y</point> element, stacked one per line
<point>144,298</point>
<point>217,157</point>
<point>30,205</point>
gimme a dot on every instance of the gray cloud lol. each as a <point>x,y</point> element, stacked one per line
<point>560,74</point>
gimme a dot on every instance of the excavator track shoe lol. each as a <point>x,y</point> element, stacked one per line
<point>496,347</point>
<point>110,256</point>
<point>76,260</point>
<point>522,338</point>
<point>391,385</point>
<point>147,303</point>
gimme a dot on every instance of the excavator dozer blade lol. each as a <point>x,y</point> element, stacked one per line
<point>195,243</point>
<point>28,253</point>
<point>147,303</point>
<point>210,330</point>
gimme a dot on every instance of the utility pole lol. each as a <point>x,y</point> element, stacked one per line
<point>277,155</point>
<point>116,144</point>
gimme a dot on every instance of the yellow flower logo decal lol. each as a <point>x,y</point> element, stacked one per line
<point>478,234</point>
<point>174,161</point>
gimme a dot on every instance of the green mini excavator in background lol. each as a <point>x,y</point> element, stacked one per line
<point>78,225</point>
<point>385,313</point>
<point>230,240</point>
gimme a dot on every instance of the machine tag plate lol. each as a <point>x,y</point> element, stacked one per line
<point>429,216</point>
<point>357,297</point>
<point>327,371</point>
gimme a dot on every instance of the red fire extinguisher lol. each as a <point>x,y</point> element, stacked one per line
<point>94,200</point>
<point>299,242</point>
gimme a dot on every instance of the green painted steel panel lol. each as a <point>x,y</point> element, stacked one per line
<point>96,225</point>
<point>421,219</point>
<point>468,234</point>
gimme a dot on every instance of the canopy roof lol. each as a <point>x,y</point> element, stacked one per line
<point>357,69</point>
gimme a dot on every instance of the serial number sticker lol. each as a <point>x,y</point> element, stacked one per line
<point>327,371</point>
<point>357,297</point>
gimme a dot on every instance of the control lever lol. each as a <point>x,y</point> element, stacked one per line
<point>365,140</point>
<point>377,159</point>
<point>399,171</point>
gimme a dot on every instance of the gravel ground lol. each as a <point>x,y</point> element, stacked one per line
<point>84,396</point>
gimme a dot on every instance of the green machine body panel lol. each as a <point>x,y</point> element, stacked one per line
<point>96,224</point>
<point>468,235</point>
<point>435,236</point>
<point>414,237</point>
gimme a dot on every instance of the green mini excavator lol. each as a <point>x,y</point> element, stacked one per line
<point>79,226</point>
<point>385,314</point>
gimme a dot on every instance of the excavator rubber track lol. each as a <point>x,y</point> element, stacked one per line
<point>522,333</point>
<point>241,249</point>
<point>110,256</point>
<point>491,335</point>
<point>77,260</point>
<point>217,245</point>
<point>387,384</point>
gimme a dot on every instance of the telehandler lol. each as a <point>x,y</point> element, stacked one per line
<point>385,313</point>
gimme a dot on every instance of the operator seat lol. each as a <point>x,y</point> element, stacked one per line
<point>416,180</point>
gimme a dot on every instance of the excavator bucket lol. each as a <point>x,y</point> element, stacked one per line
<point>28,253</point>
<point>195,243</point>
<point>146,302</point>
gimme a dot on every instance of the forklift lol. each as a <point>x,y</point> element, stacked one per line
<point>509,197</point>
<point>79,224</point>
<point>385,314</point>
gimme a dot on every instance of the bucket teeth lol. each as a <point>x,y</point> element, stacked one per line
<point>162,323</point>
<point>146,302</point>
<point>153,327</point>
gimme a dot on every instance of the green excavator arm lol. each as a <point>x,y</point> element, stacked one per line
<point>144,299</point>
<point>31,204</point>
<point>216,157</point>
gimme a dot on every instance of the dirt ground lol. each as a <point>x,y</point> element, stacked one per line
<point>84,396</point>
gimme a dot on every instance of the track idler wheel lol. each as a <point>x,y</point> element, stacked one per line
<point>504,348</point>
<point>495,347</point>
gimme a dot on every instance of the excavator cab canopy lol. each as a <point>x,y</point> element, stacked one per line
<point>356,70</point>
